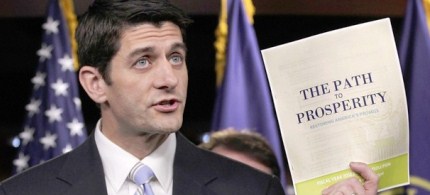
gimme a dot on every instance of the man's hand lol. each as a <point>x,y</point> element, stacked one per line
<point>352,186</point>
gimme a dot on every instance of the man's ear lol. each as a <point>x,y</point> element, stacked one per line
<point>93,83</point>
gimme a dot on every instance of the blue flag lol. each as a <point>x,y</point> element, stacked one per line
<point>243,100</point>
<point>54,123</point>
<point>414,54</point>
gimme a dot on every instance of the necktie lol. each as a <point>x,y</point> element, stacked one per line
<point>142,175</point>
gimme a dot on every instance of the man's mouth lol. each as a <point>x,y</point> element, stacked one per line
<point>167,102</point>
<point>170,105</point>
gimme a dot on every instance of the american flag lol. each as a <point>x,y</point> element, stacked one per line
<point>54,123</point>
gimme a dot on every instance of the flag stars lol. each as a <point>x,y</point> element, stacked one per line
<point>60,87</point>
<point>26,135</point>
<point>48,141</point>
<point>54,114</point>
<point>44,52</point>
<point>53,123</point>
<point>75,127</point>
<point>66,63</point>
<point>51,26</point>
<point>38,80</point>
<point>77,102</point>
<point>33,107</point>
<point>21,162</point>
<point>68,148</point>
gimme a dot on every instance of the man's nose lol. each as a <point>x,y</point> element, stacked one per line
<point>166,77</point>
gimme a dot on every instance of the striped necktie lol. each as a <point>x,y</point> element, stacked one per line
<point>141,175</point>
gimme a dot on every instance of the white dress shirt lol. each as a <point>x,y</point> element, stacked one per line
<point>117,164</point>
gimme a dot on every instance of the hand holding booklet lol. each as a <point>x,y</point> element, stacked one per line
<point>339,98</point>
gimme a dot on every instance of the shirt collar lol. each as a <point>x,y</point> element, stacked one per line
<point>161,161</point>
<point>117,162</point>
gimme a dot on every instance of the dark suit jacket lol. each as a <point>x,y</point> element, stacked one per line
<point>196,171</point>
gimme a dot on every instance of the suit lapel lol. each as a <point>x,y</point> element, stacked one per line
<point>83,170</point>
<point>190,173</point>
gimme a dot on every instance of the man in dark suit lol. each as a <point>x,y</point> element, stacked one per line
<point>133,66</point>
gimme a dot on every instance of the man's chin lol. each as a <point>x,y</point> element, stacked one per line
<point>168,131</point>
<point>170,128</point>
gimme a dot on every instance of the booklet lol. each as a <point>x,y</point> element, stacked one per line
<point>339,98</point>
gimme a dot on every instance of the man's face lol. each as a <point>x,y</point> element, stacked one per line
<point>149,81</point>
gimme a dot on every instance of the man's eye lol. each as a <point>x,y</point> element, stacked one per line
<point>142,63</point>
<point>176,60</point>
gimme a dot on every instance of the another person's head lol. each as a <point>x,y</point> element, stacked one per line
<point>133,65</point>
<point>244,146</point>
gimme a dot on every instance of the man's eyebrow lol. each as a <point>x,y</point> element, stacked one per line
<point>139,51</point>
<point>179,46</point>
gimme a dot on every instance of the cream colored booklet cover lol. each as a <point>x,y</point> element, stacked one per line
<point>339,97</point>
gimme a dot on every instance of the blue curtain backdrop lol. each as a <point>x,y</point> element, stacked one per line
<point>244,100</point>
<point>414,54</point>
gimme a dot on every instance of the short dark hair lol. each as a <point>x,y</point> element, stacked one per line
<point>249,143</point>
<point>100,28</point>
